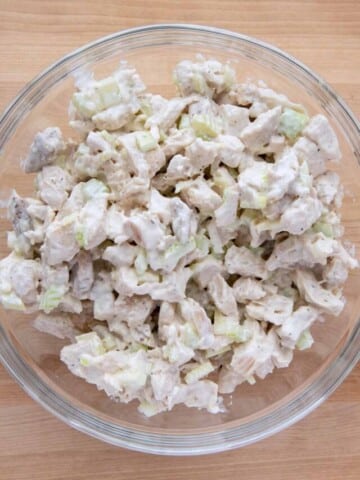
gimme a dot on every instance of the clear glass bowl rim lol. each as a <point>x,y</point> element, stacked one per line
<point>224,438</point>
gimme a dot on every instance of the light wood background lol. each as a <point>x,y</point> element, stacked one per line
<point>323,34</point>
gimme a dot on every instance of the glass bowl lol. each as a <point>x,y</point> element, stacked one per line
<point>253,412</point>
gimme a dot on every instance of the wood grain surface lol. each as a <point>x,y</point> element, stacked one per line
<point>323,34</point>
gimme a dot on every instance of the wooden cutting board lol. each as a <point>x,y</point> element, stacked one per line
<point>323,34</point>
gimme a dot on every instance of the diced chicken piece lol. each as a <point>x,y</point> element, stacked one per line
<point>194,313</point>
<point>98,142</point>
<point>312,291</point>
<point>202,394</point>
<point>222,295</point>
<point>74,203</point>
<point>246,289</point>
<point>242,261</point>
<point>305,250</point>
<point>124,280</point>
<point>335,273</point>
<point>282,174</point>
<point>177,141</point>
<point>18,214</point>
<point>307,151</point>
<point>236,119</point>
<point>168,322</point>
<point>24,277</point>
<point>230,150</point>
<point>132,193</point>
<point>256,135</point>
<point>135,156</point>
<point>271,308</point>
<point>133,310</point>
<point>47,145</point>
<point>54,276</point>
<point>253,185</point>
<point>184,222</point>
<point>59,325</point>
<point>167,116</point>
<point>327,187</point>
<point>180,167</point>
<point>171,289</point>
<point>146,230</point>
<point>53,184</point>
<point>200,195</point>
<point>207,77</point>
<point>155,159</point>
<point>320,131</point>
<point>82,275</point>
<point>90,231</point>
<point>103,297</point>
<point>116,117</point>
<point>275,146</point>
<point>115,225</point>
<point>160,205</point>
<point>274,210</point>
<point>301,214</point>
<point>293,327</point>
<point>204,270</point>
<point>164,380</point>
<point>257,356</point>
<point>60,241</point>
<point>121,255</point>
<point>70,304</point>
<point>226,214</point>
<point>201,154</point>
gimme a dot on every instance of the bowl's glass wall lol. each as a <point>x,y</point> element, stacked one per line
<point>155,56</point>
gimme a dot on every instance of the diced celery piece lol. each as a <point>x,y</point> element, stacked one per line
<point>198,83</point>
<point>148,409</point>
<point>141,263</point>
<point>184,121</point>
<point>84,360</point>
<point>223,179</point>
<point>11,301</point>
<point>133,378</point>
<point>109,91</point>
<point>93,341</point>
<point>202,243</point>
<point>80,236</point>
<point>325,228</point>
<point>136,346</point>
<point>251,380</point>
<point>292,123</point>
<point>230,328</point>
<point>305,341</point>
<point>229,76</point>
<point>162,135</point>
<point>183,184</point>
<point>189,335</point>
<point>205,126</point>
<point>148,277</point>
<point>214,353</point>
<point>174,253</point>
<point>145,141</point>
<point>51,298</point>
<point>258,203</point>
<point>199,372</point>
<point>145,107</point>
<point>87,103</point>
<point>94,189</point>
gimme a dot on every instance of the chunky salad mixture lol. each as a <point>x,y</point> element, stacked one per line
<point>184,246</point>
